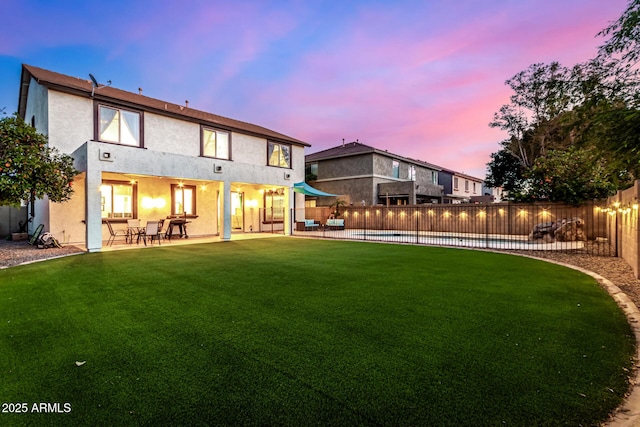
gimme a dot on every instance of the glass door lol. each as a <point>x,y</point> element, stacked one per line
<point>237,211</point>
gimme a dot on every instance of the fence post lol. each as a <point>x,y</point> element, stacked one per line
<point>486,228</point>
<point>417,215</point>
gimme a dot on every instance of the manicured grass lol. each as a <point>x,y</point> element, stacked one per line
<point>306,332</point>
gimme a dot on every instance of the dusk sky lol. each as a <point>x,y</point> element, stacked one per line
<point>420,79</point>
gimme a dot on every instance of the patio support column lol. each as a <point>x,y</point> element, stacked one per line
<point>226,211</point>
<point>288,210</point>
<point>93,214</point>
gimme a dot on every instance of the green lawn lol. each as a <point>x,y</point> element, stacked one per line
<point>289,331</point>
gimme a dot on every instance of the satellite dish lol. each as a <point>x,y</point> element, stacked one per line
<point>93,80</point>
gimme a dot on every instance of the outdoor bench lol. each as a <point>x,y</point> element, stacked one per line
<point>310,224</point>
<point>335,224</point>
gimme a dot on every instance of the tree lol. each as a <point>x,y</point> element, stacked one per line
<point>505,170</point>
<point>625,35</point>
<point>572,176</point>
<point>29,168</point>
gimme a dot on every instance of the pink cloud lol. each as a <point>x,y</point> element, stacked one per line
<point>421,79</point>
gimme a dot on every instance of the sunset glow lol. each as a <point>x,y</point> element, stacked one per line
<point>418,78</point>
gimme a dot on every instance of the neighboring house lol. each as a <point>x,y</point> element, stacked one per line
<point>144,158</point>
<point>364,175</point>
<point>496,194</point>
<point>458,187</point>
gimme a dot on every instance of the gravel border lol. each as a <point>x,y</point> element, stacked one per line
<point>21,252</point>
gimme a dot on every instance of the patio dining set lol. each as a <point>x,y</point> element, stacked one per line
<point>152,231</point>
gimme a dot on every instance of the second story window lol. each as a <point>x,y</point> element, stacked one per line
<point>434,177</point>
<point>216,143</point>
<point>119,126</point>
<point>466,186</point>
<point>311,171</point>
<point>455,183</point>
<point>395,169</point>
<point>411,175</point>
<point>279,155</point>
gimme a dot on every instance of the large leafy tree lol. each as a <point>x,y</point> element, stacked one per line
<point>590,112</point>
<point>624,35</point>
<point>572,176</point>
<point>29,168</point>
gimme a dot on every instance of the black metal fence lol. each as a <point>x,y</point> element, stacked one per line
<point>502,226</point>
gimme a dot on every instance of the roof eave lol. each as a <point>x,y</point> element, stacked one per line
<point>27,75</point>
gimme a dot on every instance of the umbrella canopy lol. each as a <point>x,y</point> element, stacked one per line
<point>307,190</point>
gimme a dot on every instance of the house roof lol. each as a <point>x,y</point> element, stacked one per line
<point>462,175</point>
<point>82,87</point>
<point>356,148</point>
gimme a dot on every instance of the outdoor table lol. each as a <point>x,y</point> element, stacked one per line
<point>134,231</point>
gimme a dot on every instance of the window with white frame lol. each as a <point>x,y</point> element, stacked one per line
<point>216,143</point>
<point>434,177</point>
<point>455,183</point>
<point>278,155</point>
<point>411,175</point>
<point>119,126</point>
<point>183,199</point>
<point>466,186</point>
<point>395,169</point>
<point>118,199</point>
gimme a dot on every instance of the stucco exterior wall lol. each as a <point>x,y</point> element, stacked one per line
<point>38,108</point>
<point>623,224</point>
<point>170,135</point>
<point>70,121</point>
<point>67,219</point>
<point>345,167</point>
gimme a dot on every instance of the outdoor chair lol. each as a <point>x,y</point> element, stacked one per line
<point>161,234</point>
<point>133,230</point>
<point>151,231</point>
<point>114,234</point>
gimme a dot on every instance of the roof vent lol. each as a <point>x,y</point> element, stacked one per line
<point>139,91</point>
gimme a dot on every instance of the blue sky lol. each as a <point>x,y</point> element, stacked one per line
<point>421,79</point>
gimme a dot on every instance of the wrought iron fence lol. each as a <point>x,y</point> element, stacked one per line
<point>501,226</point>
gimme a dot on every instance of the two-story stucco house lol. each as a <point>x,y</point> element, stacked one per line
<point>141,157</point>
<point>459,187</point>
<point>362,174</point>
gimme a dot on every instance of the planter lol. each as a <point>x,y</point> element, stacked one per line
<point>19,236</point>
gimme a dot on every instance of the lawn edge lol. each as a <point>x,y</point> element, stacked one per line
<point>628,413</point>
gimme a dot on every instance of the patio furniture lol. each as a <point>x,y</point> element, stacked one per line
<point>134,229</point>
<point>114,234</point>
<point>161,231</point>
<point>310,225</point>
<point>180,224</point>
<point>36,234</point>
<point>151,232</point>
<point>335,224</point>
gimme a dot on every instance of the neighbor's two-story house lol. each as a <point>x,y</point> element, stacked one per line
<point>141,157</point>
<point>459,187</point>
<point>364,175</point>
